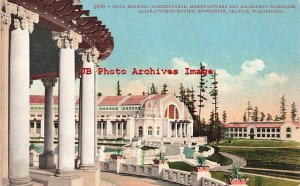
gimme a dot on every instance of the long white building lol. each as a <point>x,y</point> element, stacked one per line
<point>149,116</point>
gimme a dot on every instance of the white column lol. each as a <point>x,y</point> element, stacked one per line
<point>68,43</point>
<point>122,125</point>
<point>46,160</point>
<point>176,130</point>
<point>89,58</point>
<point>108,128</point>
<point>19,95</point>
<point>116,125</point>
<point>181,129</point>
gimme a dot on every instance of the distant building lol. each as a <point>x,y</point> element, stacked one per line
<point>263,130</point>
<point>152,116</point>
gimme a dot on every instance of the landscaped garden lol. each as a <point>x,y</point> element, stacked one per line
<point>258,143</point>
<point>268,158</point>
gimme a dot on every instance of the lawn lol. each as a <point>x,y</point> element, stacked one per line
<point>290,175</point>
<point>269,158</point>
<point>179,165</point>
<point>257,143</point>
<point>219,158</point>
<point>256,180</point>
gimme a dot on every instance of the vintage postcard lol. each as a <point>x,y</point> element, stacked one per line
<point>157,92</point>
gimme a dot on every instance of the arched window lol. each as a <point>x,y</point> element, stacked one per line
<point>140,131</point>
<point>150,131</point>
<point>172,112</point>
<point>157,131</point>
<point>288,129</point>
<point>252,130</point>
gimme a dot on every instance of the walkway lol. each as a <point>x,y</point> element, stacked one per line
<point>127,180</point>
<point>246,147</point>
<point>172,150</point>
<point>235,160</point>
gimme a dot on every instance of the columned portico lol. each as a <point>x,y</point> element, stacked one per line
<point>67,42</point>
<point>46,160</point>
<point>19,95</point>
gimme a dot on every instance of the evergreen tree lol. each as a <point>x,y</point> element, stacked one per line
<point>262,116</point>
<point>181,93</point>
<point>277,118</point>
<point>269,117</point>
<point>214,94</point>
<point>245,117</point>
<point>293,112</point>
<point>282,108</point>
<point>153,90</point>
<point>249,109</point>
<point>191,104</point>
<point>224,116</point>
<point>202,88</point>
<point>254,116</point>
<point>118,89</point>
<point>164,89</point>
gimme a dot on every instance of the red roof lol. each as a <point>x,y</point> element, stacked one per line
<point>230,125</point>
<point>267,125</point>
<point>39,99</point>
<point>135,100</point>
<point>158,97</point>
<point>111,100</point>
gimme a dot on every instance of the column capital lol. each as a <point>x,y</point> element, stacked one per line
<point>49,82</point>
<point>24,19</point>
<point>67,39</point>
<point>90,55</point>
<point>5,19</point>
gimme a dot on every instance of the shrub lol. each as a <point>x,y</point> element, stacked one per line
<point>236,173</point>
<point>201,160</point>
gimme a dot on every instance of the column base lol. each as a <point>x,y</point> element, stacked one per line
<point>5,181</point>
<point>46,160</point>
<point>20,181</point>
<point>90,175</point>
<point>65,178</point>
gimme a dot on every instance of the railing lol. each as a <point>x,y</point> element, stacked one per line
<point>136,169</point>
<point>212,182</point>
<point>176,176</point>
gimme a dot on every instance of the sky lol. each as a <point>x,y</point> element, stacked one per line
<point>256,56</point>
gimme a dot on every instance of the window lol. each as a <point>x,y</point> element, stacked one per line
<point>38,125</point>
<point>252,130</point>
<point>31,125</point>
<point>240,130</point>
<point>288,129</point>
<point>32,115</point>
<point>273,135</point>
<point>263,135</point>
<point>268,135</point>
<point>140,131</point>
<point>258,130</point>
<point>235,129</point>
<point>245,130</point>
<point>273,130</point>
<point>157,131</point>
<point>288,135</point>
<point>150,131</point>
<point>56,125</point>
<point>231,135</point>
<point>245,135</point>
<point>264,130</point>
<point>268,130</point>
<point>99,126</point>
<point>278,130</point>
<point>258,135</point>
<point>278,135</point>
<point>240,135</point>
<point>231,129</point>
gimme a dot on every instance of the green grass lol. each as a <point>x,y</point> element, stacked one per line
<point>256,180</point>
<point>111,144</point>
<point>219,158</point>
<point>257,143</point>
<point>179,165</point>
<point>290,175</point>
<point>276,158</point>
<point>203,148</point>
<point>148,148</point>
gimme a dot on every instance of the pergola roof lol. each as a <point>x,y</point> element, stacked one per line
<point>65,15</point>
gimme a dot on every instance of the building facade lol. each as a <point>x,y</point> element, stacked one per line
<point>149,116</point>
<point>263,130</point>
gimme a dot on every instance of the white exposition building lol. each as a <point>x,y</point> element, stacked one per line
<point>277,130</point>
<point>148,116</point>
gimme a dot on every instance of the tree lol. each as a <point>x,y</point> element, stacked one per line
<point>277,118</point>
<point>181,93</point>
<point>118,89</point>
<point>254,116</point>
<point>262,116</point>
<point>153,90</point>
<point>248,109</point>
<point>214,94</point>
<point>224,116</point>
<point>245,117</point>
<point>99,94</point>
<point>202,88</point>
<point>191,104</point>
<point>293,112</point>
<point>269,117</point>
<point>283,108</point>
<point>164,89</point>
